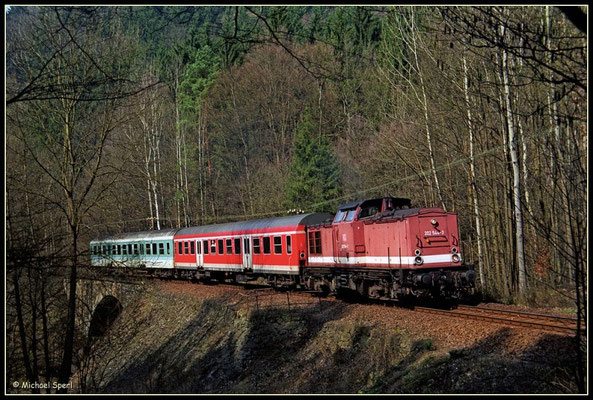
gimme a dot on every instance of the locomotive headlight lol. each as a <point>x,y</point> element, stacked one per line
<point>418,260</point>
<point>417,252</point>
<point>455,258</point>
<point>453,250</point>
<point>434,222</point>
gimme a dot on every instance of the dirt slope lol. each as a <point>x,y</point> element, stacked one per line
<point>183,338</point>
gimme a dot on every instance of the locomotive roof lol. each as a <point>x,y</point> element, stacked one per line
<point>396,201</point>
<point>259,224</point>
<point>163,234</point>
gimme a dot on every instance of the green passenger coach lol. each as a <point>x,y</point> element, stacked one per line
<point>150,249</point>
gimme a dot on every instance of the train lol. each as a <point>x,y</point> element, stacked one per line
<point>381,248</point>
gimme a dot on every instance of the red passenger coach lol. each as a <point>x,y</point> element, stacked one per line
<point>274,246</point>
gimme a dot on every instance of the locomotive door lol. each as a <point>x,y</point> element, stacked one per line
<point>335,244</point>
<point>199,254</point>
<point>247,256</point>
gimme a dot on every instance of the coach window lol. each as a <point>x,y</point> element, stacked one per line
<point>148,248</point>
<point>179,249</point>
<point>130,248</point>
<point>192,247</point>
<point>229,246</point>
<point>277,244</point>
<point>205,247</point>
<point>186,247</point>
<point>124,249</point>
<point>256,247</point>
<point>237,246</point>
<point>168,248</point>
<point>288,244</point>
<point>161,248</point>
<point>213,246</point>
<point>154,248</point>
<point>135,248</point>
<point>266,245</point>
<point>220,246</point>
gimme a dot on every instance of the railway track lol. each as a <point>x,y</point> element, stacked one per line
<point>544,322</point>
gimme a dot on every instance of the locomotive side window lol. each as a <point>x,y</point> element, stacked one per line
<point>266,245</point>
<point>256,247</point>
<point>237,246</point>
<point>220,246</point>
<point>229,246</point>
<point>315,242</point>
<point>168,248</point>
<point>277,244</point>
<point>288,244</point>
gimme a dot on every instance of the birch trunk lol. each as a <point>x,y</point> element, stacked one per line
<point>516,172</point>
<point>424,103</point>
<point>473,174</point>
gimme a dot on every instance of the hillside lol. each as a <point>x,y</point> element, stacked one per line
<point>184,338</point>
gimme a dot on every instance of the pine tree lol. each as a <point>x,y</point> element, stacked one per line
<point>314,179</point>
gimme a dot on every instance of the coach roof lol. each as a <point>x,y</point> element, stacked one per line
<point>164,234</point>
<point>291,221</point>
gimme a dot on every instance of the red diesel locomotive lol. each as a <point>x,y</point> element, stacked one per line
<point>384,248</point>
<point>381,248</point>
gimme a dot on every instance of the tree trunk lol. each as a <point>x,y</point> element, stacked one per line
<point>516,173</point>
<point>474,188</point>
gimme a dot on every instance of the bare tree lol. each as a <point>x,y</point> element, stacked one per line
<point>64,102</point>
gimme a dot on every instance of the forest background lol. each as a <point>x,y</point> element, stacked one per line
<point>137,118</point>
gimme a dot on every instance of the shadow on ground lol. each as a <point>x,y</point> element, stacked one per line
<point>224,349</point>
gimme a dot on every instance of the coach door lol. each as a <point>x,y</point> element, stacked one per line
<point>199,254</point>
<point>247,257</point>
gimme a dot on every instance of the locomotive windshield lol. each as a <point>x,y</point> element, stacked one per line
<point>340,216</point>
<point>350,215</point>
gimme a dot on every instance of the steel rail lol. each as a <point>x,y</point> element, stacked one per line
<point>482,316</point>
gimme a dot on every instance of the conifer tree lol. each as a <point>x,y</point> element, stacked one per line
<point>314,179</point>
